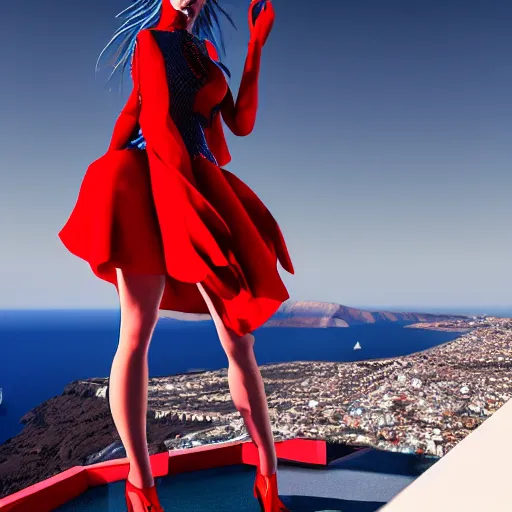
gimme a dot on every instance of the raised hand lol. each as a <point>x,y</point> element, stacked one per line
<point>261,19</point>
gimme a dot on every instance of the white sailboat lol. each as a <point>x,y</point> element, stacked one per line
<point>357,346</point>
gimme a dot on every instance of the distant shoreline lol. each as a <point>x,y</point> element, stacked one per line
<point>440,326</point>
<point>328,314</point>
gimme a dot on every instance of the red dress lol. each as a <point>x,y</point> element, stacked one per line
<point>169,207</point>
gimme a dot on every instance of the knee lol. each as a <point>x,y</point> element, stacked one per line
<point>138,327</point>
<point>240,348</point>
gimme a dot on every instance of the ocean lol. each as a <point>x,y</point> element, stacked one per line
<point>44,350</point>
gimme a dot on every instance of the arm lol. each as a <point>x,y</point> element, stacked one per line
<point>240,117</point>
<point>128,118</point>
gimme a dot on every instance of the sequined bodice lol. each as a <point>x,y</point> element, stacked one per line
<point>196,88</point>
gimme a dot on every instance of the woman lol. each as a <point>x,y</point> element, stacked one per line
<point>159,218</point>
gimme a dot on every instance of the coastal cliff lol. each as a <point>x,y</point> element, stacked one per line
<point>330,314</point>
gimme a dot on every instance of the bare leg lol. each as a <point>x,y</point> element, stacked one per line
<point>139,297</point>
<point>247,388</point>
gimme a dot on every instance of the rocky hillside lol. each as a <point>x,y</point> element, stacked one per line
<point>330,314</point>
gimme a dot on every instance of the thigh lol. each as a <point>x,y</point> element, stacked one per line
<point>136,238</point>
<point>232,344</point>
<point>140,296</point>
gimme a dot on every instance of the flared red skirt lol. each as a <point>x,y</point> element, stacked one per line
<point>209,228</point>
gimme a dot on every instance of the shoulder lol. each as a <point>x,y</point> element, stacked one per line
<point>143,36</point>
<point>145,43</point>
<point>148,37</point>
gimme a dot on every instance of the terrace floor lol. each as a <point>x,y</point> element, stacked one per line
<point>362,481</point>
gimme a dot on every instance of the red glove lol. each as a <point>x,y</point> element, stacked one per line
<point>240,118</point>
<point>261,19</point>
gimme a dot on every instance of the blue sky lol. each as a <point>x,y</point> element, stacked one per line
<point>382,147</point>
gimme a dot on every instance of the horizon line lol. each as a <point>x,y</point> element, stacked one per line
<point>371,308</point>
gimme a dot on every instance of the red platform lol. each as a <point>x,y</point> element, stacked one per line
<point>53,492</point>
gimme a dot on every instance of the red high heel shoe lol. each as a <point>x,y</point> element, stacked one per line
<point>265,491</point>
<point>147,495</point>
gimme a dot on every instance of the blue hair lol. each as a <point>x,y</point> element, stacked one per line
<point>142,14</point>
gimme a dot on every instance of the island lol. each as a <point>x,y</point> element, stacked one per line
<point>300,313</point>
